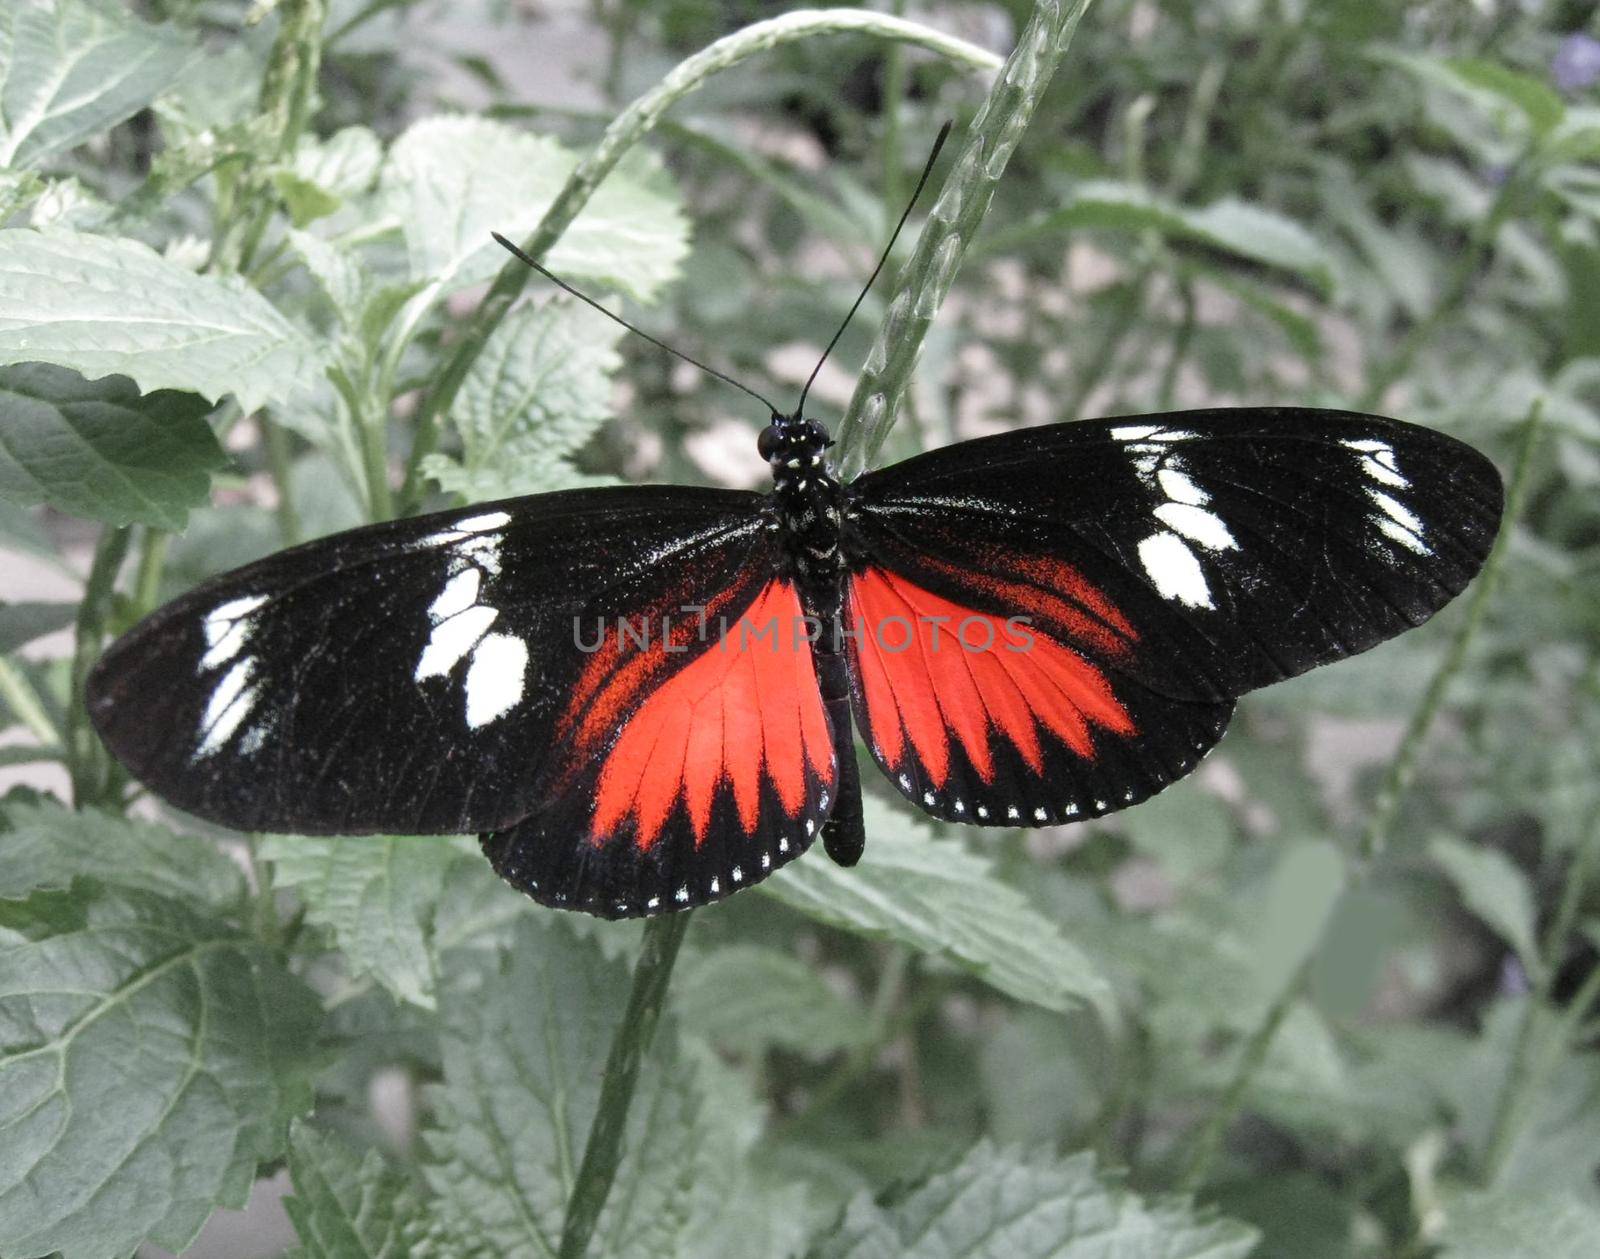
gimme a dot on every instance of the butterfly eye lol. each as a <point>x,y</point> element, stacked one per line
<point>769,442</point>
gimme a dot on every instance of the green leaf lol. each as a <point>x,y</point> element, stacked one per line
<point>48,846</point>
<point>526,1033</point>
<point>100,450</point>
<point>936,897</point>
<point>453,180</point>
<point>746,998</point>
<point>21,623</point>
<point>348,1206</point>
<point>69,70</point>
<point>377,894</point>
<point>1001,1202</point>
<point>64,298</point>
<point>151,1059</point>
<point>1292,910</point>
<point>1519,1225</point>
<point>324,173</point>
<point>1539,102</point>
<point>1246,231</point>
<point>1495,89</point>
<point>538,391</point>
<point>1494,890</point>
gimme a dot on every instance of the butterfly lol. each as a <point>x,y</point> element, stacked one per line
<point>645,698</point>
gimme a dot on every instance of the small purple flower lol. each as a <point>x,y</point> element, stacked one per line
<point>1576,65</point>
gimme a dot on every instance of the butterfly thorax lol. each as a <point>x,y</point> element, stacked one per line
<point>808,505</point>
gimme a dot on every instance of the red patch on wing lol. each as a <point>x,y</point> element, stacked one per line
<point>932,670</point>
<point>1057,594</point>
<point>747,709</point>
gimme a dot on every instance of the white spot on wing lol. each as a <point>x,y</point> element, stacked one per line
<point>229,705</point>
<point>453,639</point>
<point>495,678</point>
<point>1401,524</point>
<point>459,594</point>
<point>1174,570</point>
<point>482,524</point>
<point>1198,525</point>
<point>1134,432</point>
<point>1180,489</point>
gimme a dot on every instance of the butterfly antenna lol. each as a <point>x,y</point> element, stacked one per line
<point>927,170</point>
<point>562,284</point>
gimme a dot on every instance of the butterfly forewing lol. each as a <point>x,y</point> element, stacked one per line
<point>1245,546</point>
<point>1155,568</point>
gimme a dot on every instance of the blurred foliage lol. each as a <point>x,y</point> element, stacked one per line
<point>270,224</point>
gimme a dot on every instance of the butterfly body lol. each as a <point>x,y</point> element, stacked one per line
<point>646,698</point>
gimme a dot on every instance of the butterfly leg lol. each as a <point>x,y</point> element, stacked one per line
<point>844,835</point>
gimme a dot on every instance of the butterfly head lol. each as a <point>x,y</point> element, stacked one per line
<point>792,441</point>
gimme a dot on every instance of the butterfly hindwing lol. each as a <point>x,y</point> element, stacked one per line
<point>1162,565</point>
<point>681,783</point>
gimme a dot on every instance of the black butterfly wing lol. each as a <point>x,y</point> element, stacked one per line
<point>459,672</point>
<point>1166,564</point>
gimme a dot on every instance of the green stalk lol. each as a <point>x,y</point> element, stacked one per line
<point>147,579</point>
<point>1532,1061</point>
<point>603,1152</point>
<point>276,443</point>
<point>627,130</point>
<point>951,224</point>
<point>1403,768</point>
<point>86,759</point>
<point>1457,290</point>
<point>1208,1142</point>
<point>283,108</point>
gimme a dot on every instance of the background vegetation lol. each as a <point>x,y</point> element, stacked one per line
<point>1332,998</point>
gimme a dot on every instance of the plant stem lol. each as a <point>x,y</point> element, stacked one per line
<point>276,444</point>
<point>1531,1062</point>
<point>951,224</point>
<point>86,762</point>
<point>1455,295</point>
<point>147,579</point>
<point>1209,1140</point>
<point>283,107</point>
<point>627,129</point>
<point>1403,768</point>
<point>603,1152</point>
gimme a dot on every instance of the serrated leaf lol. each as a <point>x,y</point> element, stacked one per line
<point>538,391</point>
<point>69,70</point>
<point>48,846</point>
<point>936,897</point>
<point>101,450</point>
<point>377,894</point>
<point>1001,1202</point>
<point>64,299</point>
<point>1526,1224</point>
<point>349,1206</point>
<point>453,180</point>
<point>21,623</point>
<point>526,1035</point>
<point>150,1059</point>
<point>746,998</point>
<point>1246,231</point>
<point>1494,890</point>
